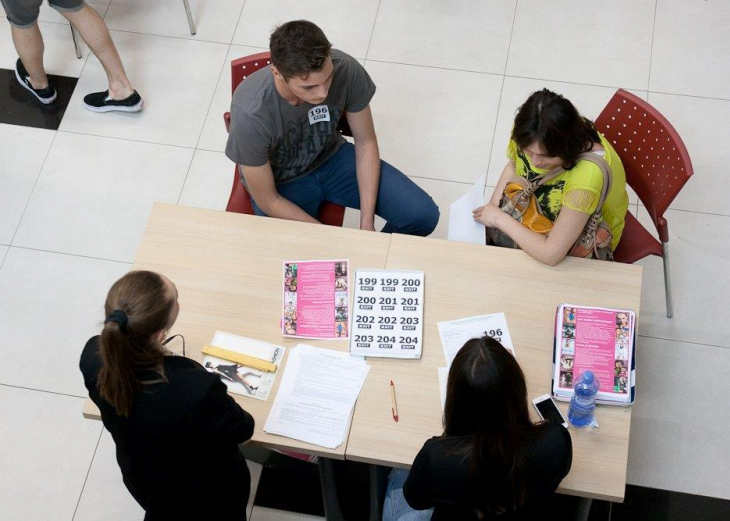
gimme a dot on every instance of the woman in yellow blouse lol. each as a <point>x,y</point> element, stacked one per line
<point>549,132</point>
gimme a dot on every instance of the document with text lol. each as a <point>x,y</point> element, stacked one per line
<point>317,394</point>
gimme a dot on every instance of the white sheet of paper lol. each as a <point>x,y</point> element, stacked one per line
<point>242,379</point>
<point>455,333</point>
<point>387,314</point>
<point>462,226</point>
<point>317,395</point>
<point>443,380</point>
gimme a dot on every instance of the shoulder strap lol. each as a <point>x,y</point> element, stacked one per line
<point>602,164</point>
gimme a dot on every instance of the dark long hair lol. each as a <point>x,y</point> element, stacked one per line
<point>553,122</point>
<point>127,349</point>
<point>486,398</point>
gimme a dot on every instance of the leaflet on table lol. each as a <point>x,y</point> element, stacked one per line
<point>316,299</point>
<point>387,320</point>
<point>597,339</point>
<point>317,395</point>
<point>241,379</point>
<point>455,333</point>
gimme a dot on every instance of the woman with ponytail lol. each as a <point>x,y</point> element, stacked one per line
<point>492,462</point>
<point>175,427</point>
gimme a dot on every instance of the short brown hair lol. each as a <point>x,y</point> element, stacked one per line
<point>298,48</point>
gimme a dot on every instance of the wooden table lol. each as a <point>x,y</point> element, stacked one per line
<point>227,268</point>
<point>464,280</point>
<point>228,271</point>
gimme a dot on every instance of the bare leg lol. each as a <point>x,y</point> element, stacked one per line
<point>94,32</point>
<point>29,44</point>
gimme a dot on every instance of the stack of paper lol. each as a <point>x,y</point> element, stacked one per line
<point>316,396</point>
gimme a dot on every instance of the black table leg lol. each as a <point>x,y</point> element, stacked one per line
<point>332,511</point>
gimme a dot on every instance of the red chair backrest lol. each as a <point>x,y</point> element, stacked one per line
<point>655,159</point>
<point>244,67</point>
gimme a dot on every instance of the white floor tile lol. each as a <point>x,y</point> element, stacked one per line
<point>679,424</point>
<point>214,20</point>
<point>269,514</point>
<point>706,191</point>
<point>255,469</point>
<point>589,101</point>
<point>569,40</point>
<point>95,194</point>
<point>691,41</point>
<point>699,246</point>
<point>175,77</point>
<point>47,450</point>
<point>51,304</point>
<point>348,25</point>
<point>3,253</point>
<point>20,169</point>
<point>473,35</point>
<point>105,496</point>
<point>209,181</point>
<point>434,123</point>
<point>59,56</point>
<point>214,135</point>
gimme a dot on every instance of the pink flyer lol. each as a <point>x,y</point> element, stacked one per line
<point>598,340</point>
<point>316,299</point>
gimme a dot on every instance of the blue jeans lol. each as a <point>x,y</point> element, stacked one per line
<point>395,507</point>
<point>406,208</point>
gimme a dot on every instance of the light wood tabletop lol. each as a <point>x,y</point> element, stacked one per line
<point>228,271</point>
<point>464,280</point>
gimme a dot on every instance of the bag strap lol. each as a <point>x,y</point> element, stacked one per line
<point>602,164</point>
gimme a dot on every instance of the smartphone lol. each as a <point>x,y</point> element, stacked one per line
<point>548,411</point>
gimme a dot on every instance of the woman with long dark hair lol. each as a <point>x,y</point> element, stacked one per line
<point>492,460</point>
<point>549,132</point>
<point>175,427</point>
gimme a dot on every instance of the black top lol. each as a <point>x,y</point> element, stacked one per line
<point>178,449</point>
<point>440,475</point>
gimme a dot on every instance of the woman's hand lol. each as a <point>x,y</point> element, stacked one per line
<point>487,215</point>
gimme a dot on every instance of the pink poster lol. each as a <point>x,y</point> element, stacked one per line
<point>316,299</point>
<point>598,340</point>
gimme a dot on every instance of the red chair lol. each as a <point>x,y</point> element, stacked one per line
<point>657,167</point>
<point>240,199</point>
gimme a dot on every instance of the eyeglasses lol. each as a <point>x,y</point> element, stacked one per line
<point>175,350</point>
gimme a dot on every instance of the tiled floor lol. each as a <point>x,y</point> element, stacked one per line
<point>450,76</point>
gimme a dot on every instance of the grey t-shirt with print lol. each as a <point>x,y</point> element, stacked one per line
<point>295,140</point>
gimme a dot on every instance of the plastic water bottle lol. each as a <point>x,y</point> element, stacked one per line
<point>583,402</point>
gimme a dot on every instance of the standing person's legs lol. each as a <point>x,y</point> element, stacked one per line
<point>29,44</point>
<point>403,204</point>
<point>93,30</point>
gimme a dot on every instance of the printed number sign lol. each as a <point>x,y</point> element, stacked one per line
<point>387,317</point>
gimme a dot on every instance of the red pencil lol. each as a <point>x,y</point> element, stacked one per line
<point>394,405</point>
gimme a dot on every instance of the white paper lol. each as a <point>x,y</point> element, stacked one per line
<point>241,379</point>
<point>317,394</point>
<point>455,333</point>
<point>443,381</point>
<point>387,316</point>
<point>462,226</point>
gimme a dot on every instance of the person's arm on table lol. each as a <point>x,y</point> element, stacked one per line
<point>261,186</point>
<point>549,250</point>
<point>367,157</point>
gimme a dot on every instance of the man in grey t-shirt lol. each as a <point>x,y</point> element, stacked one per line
<point>284,136</point>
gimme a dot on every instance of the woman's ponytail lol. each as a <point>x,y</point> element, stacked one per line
<point>138,307</point>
